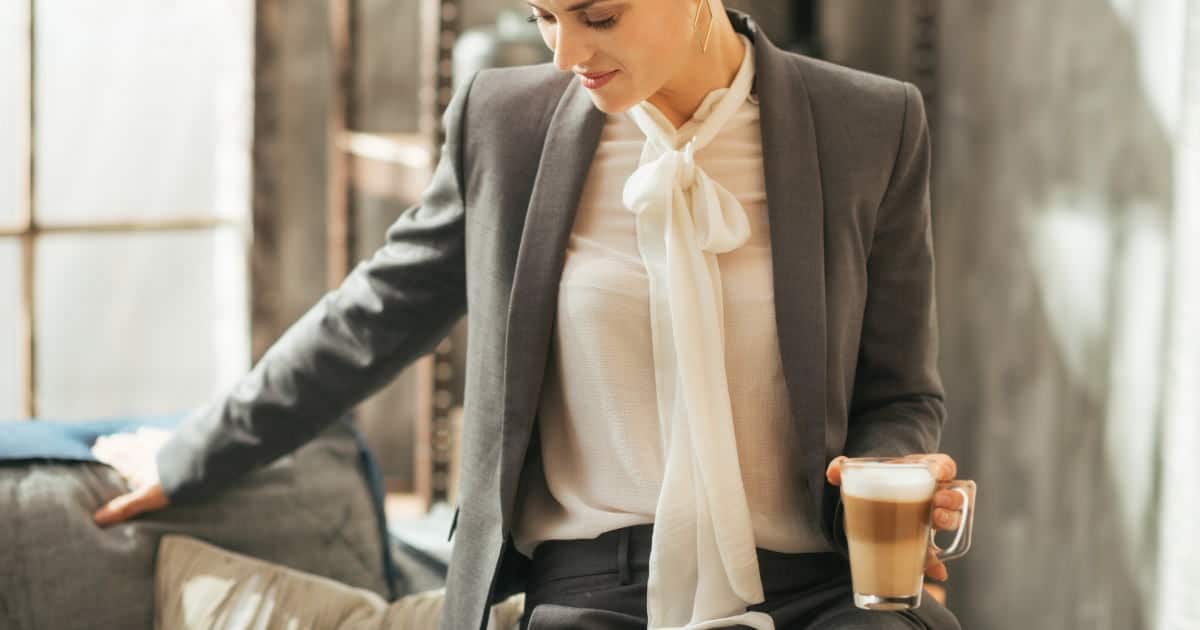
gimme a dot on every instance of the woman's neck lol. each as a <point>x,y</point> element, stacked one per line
<point>713,69</point>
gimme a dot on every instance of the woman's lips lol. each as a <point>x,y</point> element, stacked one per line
<point>596,81</point>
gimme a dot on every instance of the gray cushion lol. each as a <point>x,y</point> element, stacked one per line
<point>310,511</point>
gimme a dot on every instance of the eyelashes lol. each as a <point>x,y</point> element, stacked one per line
<point>600,25</point>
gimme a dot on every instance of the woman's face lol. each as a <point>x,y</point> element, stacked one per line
<point>647,43</point>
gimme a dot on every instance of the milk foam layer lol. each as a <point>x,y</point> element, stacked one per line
<point>892,483</point>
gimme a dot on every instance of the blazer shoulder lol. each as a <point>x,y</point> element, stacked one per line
<point>537,77</point>
<point>516,96</point>
<point>828,80</point>
<point>869,111</point>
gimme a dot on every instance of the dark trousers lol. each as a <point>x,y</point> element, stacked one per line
<point>600,584</point>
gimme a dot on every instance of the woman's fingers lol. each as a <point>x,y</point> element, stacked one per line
<point>834,472</point>
<point>935,568</point>
<point>132,454</point>
<point>947,511</point>
<point>943,466</point>
<point>945,519</point>
<point>131,504</point>
<point>948,499</point>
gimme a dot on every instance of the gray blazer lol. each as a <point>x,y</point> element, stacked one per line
<point>846,159</point>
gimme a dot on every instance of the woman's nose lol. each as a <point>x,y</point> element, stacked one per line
<point>569,48</point>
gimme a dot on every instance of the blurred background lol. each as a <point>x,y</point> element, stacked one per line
<point>179,181</point>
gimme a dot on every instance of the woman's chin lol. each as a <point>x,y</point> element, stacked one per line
<point>608,104</point>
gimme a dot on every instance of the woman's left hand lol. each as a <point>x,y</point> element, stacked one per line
<point>947,504</point>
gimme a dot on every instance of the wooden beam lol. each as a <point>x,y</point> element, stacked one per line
<point>445,19</point>
<point>341,216</point>
<point>391,166</point>
<point>266,305</point>
<point>28,330</point>
<point>28,321</point>
<point>175,224</point>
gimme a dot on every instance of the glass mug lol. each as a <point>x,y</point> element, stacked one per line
<point>887,508</point>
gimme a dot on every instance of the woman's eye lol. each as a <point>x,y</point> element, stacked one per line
<point>608,22</point>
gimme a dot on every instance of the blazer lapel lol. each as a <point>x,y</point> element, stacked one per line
<point>568,148</point>
<point>796,214</point>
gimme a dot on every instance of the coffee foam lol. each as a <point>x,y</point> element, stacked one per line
<point>888,483</point>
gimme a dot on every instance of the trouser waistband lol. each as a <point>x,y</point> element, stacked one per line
<point>626,552</point>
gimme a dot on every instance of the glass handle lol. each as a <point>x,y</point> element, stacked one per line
<point>962,535</point>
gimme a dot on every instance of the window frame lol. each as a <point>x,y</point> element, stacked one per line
<point>28,230</point>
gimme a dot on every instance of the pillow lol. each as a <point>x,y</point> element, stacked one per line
<point>200,586</point>
<point>309,510</point>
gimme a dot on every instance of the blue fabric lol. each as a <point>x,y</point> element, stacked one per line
<point>375,484</point>
<point>40,440</point>
<point>62,440</point>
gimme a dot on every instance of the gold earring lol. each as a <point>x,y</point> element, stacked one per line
<point>704,46</point>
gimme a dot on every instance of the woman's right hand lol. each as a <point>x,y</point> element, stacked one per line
<point>130,504</point>
<point>133,455</point>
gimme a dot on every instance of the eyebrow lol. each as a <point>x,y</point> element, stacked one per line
<point>578,6</point>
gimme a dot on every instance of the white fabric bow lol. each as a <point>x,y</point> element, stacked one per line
<point>703,563</point>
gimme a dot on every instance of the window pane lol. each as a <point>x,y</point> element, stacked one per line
<point>10,312</point>
<point>142,107</point>
<point>14,109</point>
<point>140,323</point>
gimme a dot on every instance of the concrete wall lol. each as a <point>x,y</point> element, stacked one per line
<point>1061,293</point>
<point>1055,198</point>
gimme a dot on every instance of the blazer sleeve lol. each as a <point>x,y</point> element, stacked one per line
<point>390,310</point>
<point>897,406</point>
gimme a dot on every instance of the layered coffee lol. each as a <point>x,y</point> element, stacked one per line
<point>887,518</point>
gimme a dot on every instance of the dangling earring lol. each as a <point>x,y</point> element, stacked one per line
<point>707,3</point>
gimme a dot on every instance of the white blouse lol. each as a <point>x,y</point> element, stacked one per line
<point>601,448</point>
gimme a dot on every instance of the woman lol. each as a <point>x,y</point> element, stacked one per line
<point>707,279</point>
